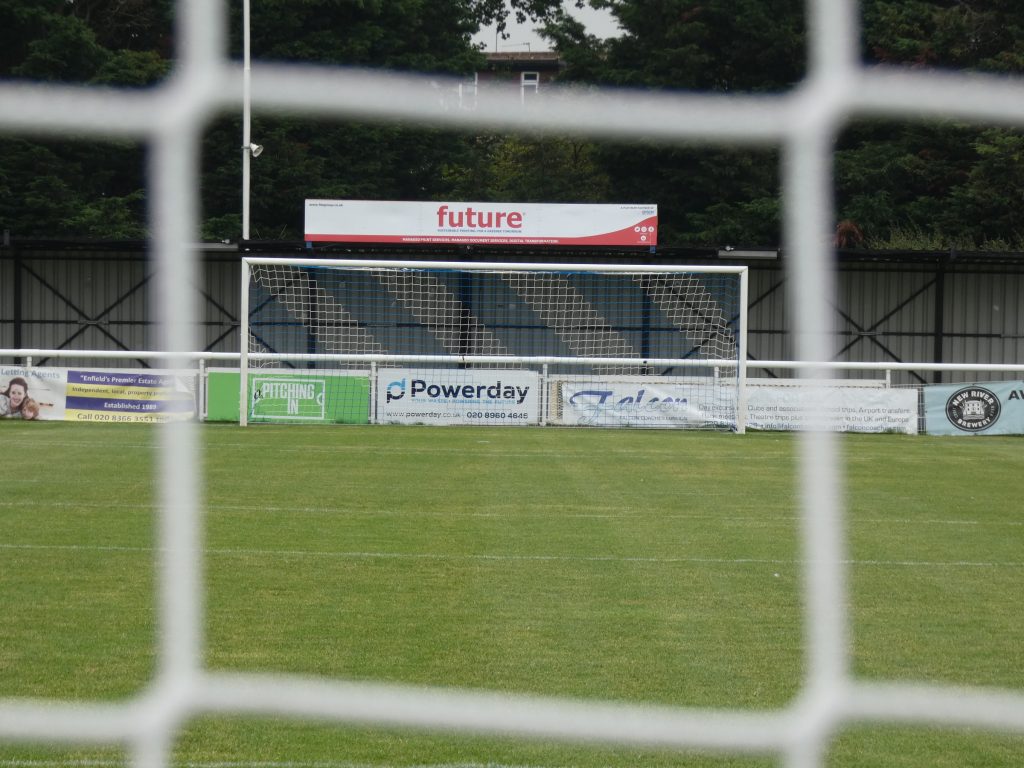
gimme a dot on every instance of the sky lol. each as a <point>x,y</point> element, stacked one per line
<point>523,37</point>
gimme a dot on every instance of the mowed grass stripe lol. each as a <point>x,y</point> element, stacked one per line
<point>516,558</point>
<point>243,764</point>
<point>627,564</point>
<point>536,511</point>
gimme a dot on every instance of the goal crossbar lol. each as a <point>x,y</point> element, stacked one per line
<point>572,322</point>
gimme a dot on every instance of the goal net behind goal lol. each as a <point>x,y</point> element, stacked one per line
<point>463,343</point>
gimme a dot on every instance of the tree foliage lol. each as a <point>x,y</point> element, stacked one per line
<point>77,188</point>
<point>982,35</point>
<point>530,170</point>
<point>705,194</point>
<point>947,182</point>
<point>950,182</point>
<point>308,158</point>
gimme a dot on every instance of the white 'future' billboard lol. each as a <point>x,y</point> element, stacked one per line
<point>372,221</point>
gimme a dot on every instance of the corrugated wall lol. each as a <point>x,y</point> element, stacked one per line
<point>100,301</point>
<point>6,303</point>
<point>937,310</point>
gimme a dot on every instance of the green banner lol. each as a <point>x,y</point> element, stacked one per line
<point>325,397</point>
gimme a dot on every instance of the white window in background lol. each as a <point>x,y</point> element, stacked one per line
<point>529,82</point>
<point>468,91</point>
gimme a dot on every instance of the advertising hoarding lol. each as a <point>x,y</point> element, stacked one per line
<point>96,395</point>
<point>992,408</point>
<point>439,396</point>
<point>630,402</point>
<point>832,408</point>
<point>360,221</point>
<point>313,396</point>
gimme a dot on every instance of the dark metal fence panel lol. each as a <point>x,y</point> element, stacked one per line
<point>74,299</point>
<point>219,302</point>
<point>886,314</point>
<point>84,303</point>
<point>7,303</point>
<point>904,310</point>
<point>890,309</point>
<point>984,308</point>
<point>767,314</point>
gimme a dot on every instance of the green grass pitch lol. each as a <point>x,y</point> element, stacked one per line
<point>642,566</point>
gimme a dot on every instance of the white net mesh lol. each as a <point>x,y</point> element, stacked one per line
<point>803,123</point>
<point>313,309</point>
<point>670,338</point>
<point>692,308</point>
<point>571,316</point>
<point>447,318</point>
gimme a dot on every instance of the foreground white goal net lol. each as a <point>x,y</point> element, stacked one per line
<point>802,123</point>
<point>496,344</point>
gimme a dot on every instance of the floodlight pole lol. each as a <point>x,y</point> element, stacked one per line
<point>246,118</point>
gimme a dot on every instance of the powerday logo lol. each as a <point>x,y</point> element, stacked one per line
<point>395,390</point>
<point>973,409</point>
<point>460,390</point>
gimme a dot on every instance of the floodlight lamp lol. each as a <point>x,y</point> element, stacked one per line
<point>255,149</point>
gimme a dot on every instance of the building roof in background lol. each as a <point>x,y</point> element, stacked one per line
<point>520,59</point>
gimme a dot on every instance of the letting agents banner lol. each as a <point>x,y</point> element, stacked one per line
<point>365,221</point>
<point>97,395</point>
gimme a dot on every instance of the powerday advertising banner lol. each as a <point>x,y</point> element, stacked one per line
<point>423,396</point>
<point>96,395</point>
<point>993,408</point>
<point>360,221</point>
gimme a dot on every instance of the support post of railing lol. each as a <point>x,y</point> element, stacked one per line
<point>201,390</point>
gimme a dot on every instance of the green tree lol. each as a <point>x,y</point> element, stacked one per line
<point>72,40</point>
<point>74,188</point>
<point>951,182</point>
<point>980,35</point>
<point>311,158</point>
<point>940,184</point>
<point>423,35</point>
<point>528,169</point>
<point>127,25</point>
<point>900,176</point>
<point>990,199</point>
<point>70,188</point>
<point>67,52</point>
<point>705,194</point>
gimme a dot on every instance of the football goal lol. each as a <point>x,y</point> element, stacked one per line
<point>493,343</point>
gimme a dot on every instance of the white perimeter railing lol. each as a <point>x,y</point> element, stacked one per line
<point>802,123</point>
<point>200,359</point>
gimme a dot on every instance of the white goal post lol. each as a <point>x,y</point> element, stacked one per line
<point>435,342</point>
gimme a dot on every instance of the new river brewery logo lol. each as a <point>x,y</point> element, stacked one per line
<point>973,409</point>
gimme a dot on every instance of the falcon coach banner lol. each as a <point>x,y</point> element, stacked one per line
<point>368,221</point>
